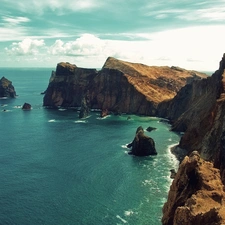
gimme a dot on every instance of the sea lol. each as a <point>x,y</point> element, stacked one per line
<point>56,169</point>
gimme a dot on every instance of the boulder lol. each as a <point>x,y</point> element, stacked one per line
<point>142,145</point>
<point>6,88</point>
<point>26,106</point>
<point>149,129</point>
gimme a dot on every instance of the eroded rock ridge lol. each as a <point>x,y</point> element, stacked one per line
<point>119,87</point>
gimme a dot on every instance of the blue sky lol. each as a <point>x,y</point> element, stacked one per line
<point>41,33</point>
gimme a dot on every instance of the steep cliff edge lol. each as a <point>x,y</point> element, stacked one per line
<point>196,195</point>
<point>120,86</point>
<point>199,110</point>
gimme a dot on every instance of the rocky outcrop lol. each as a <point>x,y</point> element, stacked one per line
<point>198,110</point>
<point>196,195</point>
<point>68,86</point>
<point>26,106</point>
<point>85,108</point>
<point>119,87</point>
<point>6,88</point>
<point>142,145</point>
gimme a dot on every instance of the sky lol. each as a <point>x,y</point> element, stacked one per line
<point>41,33</point>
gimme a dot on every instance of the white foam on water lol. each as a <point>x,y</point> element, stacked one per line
<point>17,107</point>
<point>62,109</point>
<point>125,146</point>
<point>172,158</point>
<point>51,121</point>
<point>128,213</point>
<point>6,110</point>
<point>102,118</point>
<point>120,218</point>
<point>80,121</point>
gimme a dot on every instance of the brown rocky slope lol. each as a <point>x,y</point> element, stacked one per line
<point>197,195</point>
<point>119,86</point>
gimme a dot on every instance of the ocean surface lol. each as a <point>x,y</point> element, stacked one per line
<point>56,169</point>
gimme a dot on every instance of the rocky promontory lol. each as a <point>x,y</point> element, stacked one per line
<point>119,87</point>
<point>196,195</point>
<point>6,88</point>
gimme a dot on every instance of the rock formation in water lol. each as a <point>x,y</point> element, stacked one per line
<point>26,106</point>
<point>85,108</point>
<point>196,195</point>
<point>6,88</point>
<point>142,145</point>
<point>119,87</point>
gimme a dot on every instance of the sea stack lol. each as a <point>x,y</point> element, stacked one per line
<point>7,90</point>
<point>142,145</point>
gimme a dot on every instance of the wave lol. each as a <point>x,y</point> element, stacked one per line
<point>52,121</point>
<point>120,218</point>
<point>102,118</point>
<point>125,146</point>
<point>80,121</point>
<point>17,107</point>
<point>128,212</point>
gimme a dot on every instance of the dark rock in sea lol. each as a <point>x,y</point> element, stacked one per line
<point>142,145</point>
<point>85,108</point>
<point>149,129</point>
<point>172,173</point>
<point>6,88</point>
<point>26,106</point>
<point>104,113</point>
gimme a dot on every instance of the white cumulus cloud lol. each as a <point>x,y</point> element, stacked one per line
<point>25,47</point>
<point>86,45</point>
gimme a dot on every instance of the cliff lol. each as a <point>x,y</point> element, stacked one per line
<point>198,110</point>
<point>196,195</point>
<point>6,88</point>
<point>120,87</point>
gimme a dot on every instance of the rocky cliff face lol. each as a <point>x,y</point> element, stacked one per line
<point>118,87</point>
<point>6,88</point>
<point>199,110</point>
<point>196,195</point>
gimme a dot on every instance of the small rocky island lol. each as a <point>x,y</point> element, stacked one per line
<point>6,89</point>
<point>142,145</point>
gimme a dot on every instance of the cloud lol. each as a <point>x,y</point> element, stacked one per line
<point>86,45</point>
<point>57,6</point>
<point>25,47</point>
<point>15,20</point>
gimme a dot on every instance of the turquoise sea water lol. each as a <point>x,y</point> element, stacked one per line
<point>58,170</point>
